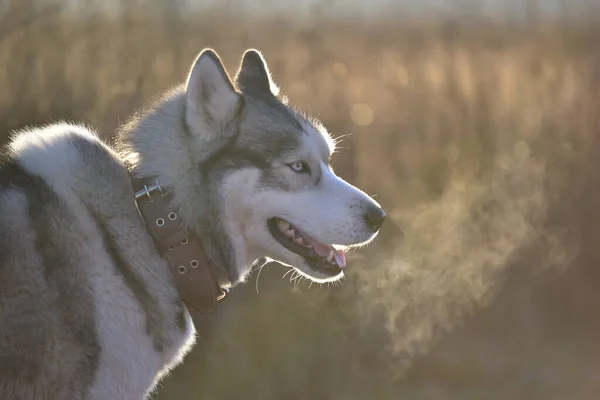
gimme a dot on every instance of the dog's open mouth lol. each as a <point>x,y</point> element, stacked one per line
<point>322,257</point>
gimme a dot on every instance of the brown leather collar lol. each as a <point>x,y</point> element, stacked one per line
<point>194,276</point>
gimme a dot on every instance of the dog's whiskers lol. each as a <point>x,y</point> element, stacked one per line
<point>260,268</point>
<point>288,271</point>
<point>295,276</point>
<point>338,139</point>
<point>300,278</point>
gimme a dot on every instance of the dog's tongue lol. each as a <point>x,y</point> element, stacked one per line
<point>340,257</point>
<point>323,251</point>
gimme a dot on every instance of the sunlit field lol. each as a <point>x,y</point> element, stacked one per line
<point>477,135</point>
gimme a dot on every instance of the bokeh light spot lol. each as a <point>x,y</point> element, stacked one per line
<point>339,69</point>
<point>362,114</point>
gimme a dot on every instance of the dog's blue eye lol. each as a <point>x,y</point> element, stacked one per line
<point>299,167</point>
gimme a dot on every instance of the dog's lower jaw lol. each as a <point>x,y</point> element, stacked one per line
<point>318,277</point>
<point>301,267</point>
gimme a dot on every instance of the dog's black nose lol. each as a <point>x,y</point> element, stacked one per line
<point>374,218</point>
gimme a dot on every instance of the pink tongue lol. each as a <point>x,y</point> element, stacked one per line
<point>323,250</point>
<point>340,258</point>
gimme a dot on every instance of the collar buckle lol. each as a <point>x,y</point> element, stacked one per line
<point>192,272</point>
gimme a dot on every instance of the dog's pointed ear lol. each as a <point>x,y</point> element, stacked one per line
<point>253,74</point>
<point>211,99</point>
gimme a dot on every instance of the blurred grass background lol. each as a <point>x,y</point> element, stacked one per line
<point>476,131</point>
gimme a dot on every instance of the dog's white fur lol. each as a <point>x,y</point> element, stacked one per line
<point>88,309</point>
<point>129,365</point>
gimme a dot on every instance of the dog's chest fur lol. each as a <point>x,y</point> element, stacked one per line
<point>88,309</point>
<point>130,362</point>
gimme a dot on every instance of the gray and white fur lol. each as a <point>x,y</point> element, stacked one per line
<point>88,308</point>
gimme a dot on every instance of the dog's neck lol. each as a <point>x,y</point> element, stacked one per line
<point>199,283</point>
<point>157,145</point>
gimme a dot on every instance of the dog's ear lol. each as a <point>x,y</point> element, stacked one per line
<point>211,99</point>
<point>253,74</point>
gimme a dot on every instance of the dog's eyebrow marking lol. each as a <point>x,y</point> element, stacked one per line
<point>325,144</point>
<point>305,125</point>
<point>319,173</point>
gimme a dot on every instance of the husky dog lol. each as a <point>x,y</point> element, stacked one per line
<point>88,306</point>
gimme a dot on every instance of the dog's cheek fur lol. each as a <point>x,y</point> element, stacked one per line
<point>245,210</point>
<point>218,242</point>
<point>231,202</point>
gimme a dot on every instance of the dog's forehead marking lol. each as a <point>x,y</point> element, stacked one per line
<point>284,130</point>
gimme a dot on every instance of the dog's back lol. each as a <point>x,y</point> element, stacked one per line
<point>47,333</point>
<point>87,308</point>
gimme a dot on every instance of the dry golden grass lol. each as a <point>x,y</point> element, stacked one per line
<point>472,135</point>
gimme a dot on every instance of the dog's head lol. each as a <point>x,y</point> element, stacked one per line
<point>270,179</point>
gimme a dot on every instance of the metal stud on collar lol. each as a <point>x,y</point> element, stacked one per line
<point>148,190</point>
<point>224,292</point>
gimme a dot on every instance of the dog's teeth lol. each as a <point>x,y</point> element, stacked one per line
<point>308,246</point>
<point>299,241</point>
<point>330,256</point>
<point>283,226</point>
<point>290,233</point>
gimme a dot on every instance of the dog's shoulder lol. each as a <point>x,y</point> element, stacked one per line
<point>70,158</point>
<point>58,151</point>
